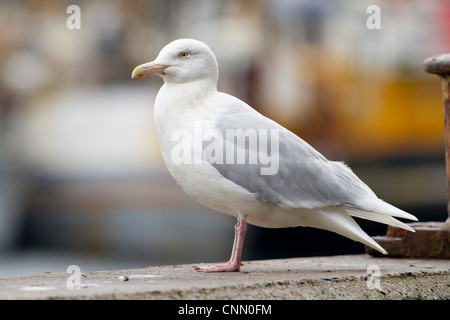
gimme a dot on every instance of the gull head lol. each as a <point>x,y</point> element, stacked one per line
<point>181,61</point>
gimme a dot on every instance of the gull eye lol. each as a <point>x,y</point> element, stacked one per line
<point>183,54</point>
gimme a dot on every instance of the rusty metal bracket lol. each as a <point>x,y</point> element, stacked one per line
<point>431,239</point>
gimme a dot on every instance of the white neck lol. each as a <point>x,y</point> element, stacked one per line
<point>175,102</point>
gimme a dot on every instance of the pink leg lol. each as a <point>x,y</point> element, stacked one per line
<point>235,261</point>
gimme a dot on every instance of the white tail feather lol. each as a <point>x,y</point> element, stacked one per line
<point>378,217</point>
<point>386,208</point>
<point>338,220</point>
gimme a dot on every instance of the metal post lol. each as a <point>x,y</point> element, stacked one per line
<point>431,239</point>
<point>440,65</point>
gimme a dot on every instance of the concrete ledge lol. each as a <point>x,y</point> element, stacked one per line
<point>338,277</point>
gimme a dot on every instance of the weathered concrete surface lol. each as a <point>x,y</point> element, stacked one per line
<point>339,277</point>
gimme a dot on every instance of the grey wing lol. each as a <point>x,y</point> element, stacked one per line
<point>299,177</point>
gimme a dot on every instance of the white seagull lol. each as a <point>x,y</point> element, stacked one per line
<point>279,182</point>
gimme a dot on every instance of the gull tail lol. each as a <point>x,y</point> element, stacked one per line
<point>383,212</point>
<point>338,220</point>
<point>379,217</point>
<point>386,208</point>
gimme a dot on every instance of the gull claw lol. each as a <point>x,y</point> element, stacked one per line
<point>228,267</point>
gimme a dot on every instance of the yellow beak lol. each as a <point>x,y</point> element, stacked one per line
<point>148,69</point>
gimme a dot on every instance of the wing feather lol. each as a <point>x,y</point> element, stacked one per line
<point>305,178</point>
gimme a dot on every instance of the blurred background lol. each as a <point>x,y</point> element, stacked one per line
<point>81,177</point>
